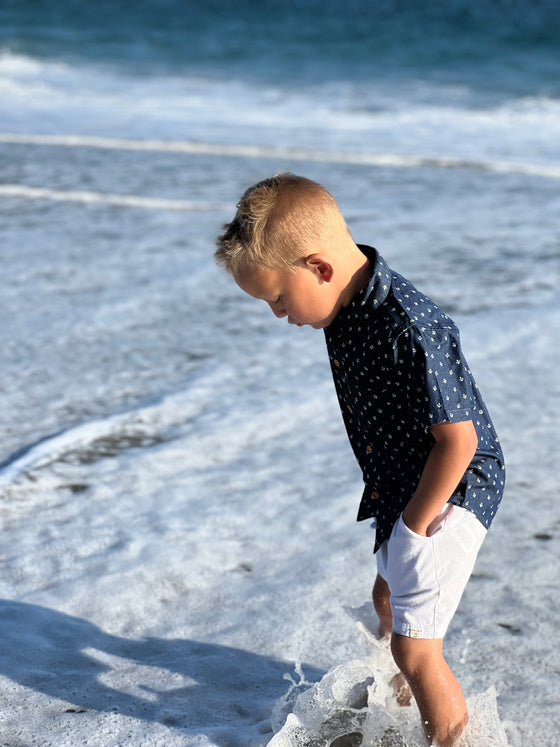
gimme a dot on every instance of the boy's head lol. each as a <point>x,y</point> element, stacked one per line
<point>278,221</point>
<point>289,245</point>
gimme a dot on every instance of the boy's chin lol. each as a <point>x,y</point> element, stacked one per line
<point>315,325</point>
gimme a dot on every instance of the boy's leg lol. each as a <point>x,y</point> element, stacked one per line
<point>438,695</point>
<point>382,604</point>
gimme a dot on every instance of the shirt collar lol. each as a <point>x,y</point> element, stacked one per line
<point>377,290</point>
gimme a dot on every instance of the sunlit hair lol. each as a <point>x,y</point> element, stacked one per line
<point>276,220</point>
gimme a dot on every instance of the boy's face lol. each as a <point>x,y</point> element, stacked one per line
<point>304,297</point>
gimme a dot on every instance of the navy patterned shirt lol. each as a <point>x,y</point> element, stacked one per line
<point>398,369</point>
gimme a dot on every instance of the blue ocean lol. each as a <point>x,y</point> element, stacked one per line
<point>176,490</point>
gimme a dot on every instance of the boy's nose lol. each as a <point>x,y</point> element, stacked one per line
<point>277,310</point>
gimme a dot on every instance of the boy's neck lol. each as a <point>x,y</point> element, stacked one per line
<point>359,273</point>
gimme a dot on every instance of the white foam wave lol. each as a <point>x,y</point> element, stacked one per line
<point>267,151</point>
<point>148,203</point>
<point>20,65</point>
<point>93,440</point>
<point>338,121</point>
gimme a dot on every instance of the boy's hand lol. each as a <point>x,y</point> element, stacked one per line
<point>414,524</point>
<point>454,448</point>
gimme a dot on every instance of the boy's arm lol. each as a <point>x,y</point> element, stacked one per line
<point>447,462</point>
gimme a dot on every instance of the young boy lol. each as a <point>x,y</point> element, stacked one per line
<point>431,462</point>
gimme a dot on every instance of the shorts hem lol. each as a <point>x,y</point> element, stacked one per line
<point>408,632</point>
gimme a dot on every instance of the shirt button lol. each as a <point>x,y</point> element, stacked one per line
<point>349,408</point>
<point>336,362</point>
<point>368,449</point>
<point>375,495</point>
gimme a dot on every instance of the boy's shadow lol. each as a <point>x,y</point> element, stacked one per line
<point>180,683</point>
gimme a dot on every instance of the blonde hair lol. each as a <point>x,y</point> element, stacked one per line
<point>275,219</point>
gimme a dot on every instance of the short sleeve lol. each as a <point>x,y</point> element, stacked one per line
<point>443,382</point>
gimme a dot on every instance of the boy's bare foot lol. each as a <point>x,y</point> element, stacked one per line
<point>403,693</point>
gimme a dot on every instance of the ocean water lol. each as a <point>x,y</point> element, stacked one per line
<point>180,563</point>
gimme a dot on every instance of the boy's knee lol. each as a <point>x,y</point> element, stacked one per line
<point>414,655</point>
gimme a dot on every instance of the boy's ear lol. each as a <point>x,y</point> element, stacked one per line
<point>320,266</point>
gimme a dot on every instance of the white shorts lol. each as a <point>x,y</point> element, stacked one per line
<point>427,575</point>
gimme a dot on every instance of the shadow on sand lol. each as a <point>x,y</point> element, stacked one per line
<point>180,683</point>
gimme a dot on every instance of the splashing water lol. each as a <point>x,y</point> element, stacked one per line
<point>354,705</point>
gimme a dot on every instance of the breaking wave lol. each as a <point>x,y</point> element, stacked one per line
<point>253,151</point>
